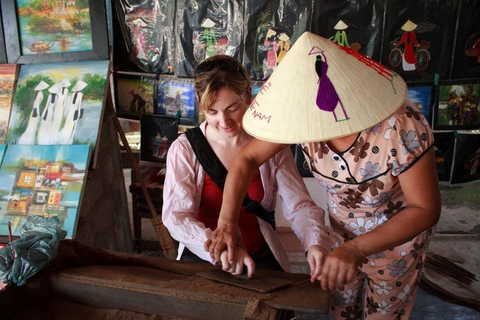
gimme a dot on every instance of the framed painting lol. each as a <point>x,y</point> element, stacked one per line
<point>59,103</point>
<point>422,94</point>
<point>8,76</point>
<point>54,31</point>
<point>176,96</point>
<point>157,134</point>
<point>457,107</point>
<point>42,180</point>
<point>466,167</point>
<point>134,94</point>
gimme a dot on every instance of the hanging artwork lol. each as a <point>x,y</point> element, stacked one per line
<point>458,106</point>
<point>8,76</point>
<point>134,94</point>
<point>357,25</point>
<point>143,35</point>
<point>466,168</point>
<point>272,27</point>
<point>54,31</point>
<point>422,95</point>
<point>58,103</point>
<point>177,96</point>
<point>157,134</point>
<point>444,146</point>
<point>466,62</point>
<point>206,28</point>
<point>419,38</point>
<point>42,180</point>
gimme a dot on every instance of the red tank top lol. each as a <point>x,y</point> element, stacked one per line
<point>210,205</point>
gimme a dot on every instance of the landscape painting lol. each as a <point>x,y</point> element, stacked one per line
<point>54,26</point>
<point>42,180</point>
<point>58,104</point>
<point>8,75</point>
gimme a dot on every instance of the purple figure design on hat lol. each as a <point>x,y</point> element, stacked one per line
<point>327,97</point>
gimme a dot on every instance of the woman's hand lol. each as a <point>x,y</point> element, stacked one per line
<point>227,236</point>
<point>242,259</point>
<point>341,265</point>
<point>316,259</point>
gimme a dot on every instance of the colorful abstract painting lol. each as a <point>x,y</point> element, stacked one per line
<point>58,103</point>
<point>54,26</point>
<point>177,95</point>
<point>8,75</point>
<point>42,180</point>
<point>134,95</point>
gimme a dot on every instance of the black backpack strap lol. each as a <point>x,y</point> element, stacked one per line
<point>215,169</point>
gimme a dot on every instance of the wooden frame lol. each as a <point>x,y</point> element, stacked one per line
<point>3,53</point>
<point>99,37</point>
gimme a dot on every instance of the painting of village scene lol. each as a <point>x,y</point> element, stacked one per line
<point>177,96</point>
<point>54,26</point>
<point>8,75</point>
<point>458,106</point>
<point>42,180</point>
<point>58,104</point>
<point>134,95</point>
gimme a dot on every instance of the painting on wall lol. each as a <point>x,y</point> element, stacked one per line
<point>142,38</point>
<point>134,94</point>
<point>422,94</point>
<point>354,26</point>
<point>58,104</point>
<point>176,96</point>
<point>419,38</point>
<point>157,134</point>
<point>205,29</point>
<point>42,180</point>
<point>8,76</point>
<point>457,107</point>
<point>271,28</point>
<point>54,31</point>
<point>466,168</point>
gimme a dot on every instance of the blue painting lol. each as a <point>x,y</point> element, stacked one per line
<point>42,180</point>
<point>2,152</point>
<point>177,97</point>
<point>421,96</point>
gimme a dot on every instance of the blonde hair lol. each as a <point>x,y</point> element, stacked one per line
<point>210,83</point>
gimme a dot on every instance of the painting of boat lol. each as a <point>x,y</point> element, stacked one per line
<point>40,46</point>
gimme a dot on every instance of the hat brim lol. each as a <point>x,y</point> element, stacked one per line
<point>297,105</point>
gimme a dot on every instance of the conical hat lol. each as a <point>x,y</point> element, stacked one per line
<point>409,26</point>
<point>340,25</point>
<point>294,105</point>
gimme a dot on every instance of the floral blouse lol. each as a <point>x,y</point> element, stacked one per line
<point>363,190</point>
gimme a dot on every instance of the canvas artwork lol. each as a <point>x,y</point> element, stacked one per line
<point>134,94</point>
<point>457,107</point>
<point>176,96</point>
<point>271,29</point>
<point>157,134</point>
<point>54,26</point>
<point>421,96</point>
<point>206,28</point>
<point>58,103</point>
<point>42,180</point>
<point>8,75</point>
<point>466,168</point>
